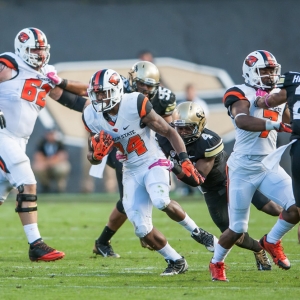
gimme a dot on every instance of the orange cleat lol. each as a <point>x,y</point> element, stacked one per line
<point>41,251</point>
<point>276,252</point>
<point>217,271</point>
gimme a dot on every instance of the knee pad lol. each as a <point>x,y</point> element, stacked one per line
<point>25,198</point>
<point>161,202</point>
<point>239,227</point>
<point>142,226</point>
<point>120,207</point>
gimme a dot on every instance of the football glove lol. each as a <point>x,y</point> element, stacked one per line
<point>284,128</point>
<point>54,78</point>
<point>190,171</point>
<point>278,126</point>
<point>145,245</point>
<point>260,93</point>
<point>2,120</point>
<point>101,144</point>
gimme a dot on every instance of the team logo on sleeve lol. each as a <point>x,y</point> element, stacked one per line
<point>23,37</point>
<point>114,79</point>
<point>173,153</point>
<point>251,60</point>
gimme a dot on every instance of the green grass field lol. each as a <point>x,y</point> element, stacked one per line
<point>72,222</point>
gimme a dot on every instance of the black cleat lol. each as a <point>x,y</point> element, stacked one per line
<point>205,238</point>
<point>39,250</point>
<point>178,266</point>
<point>104,250</point>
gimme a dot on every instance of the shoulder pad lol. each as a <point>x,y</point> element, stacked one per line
<point>9,61</point>
<point>232,95</point>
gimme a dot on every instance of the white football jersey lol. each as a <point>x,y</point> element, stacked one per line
<point>22,97</point>
<point>248,142</point>
<point>138,143</point>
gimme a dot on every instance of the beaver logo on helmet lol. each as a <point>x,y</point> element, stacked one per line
<point>114,79</point>
<point>251,60</point>
<point>23,37</point>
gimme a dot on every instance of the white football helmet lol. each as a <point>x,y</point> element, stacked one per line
<point>109,81</point>
<point>257,60</point>
<point>28,39</point>
<point>147,73</point>
<point>189,115</point>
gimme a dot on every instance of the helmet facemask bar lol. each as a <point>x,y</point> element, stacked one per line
<point>192,128</point>
<point>34,59</point>
<point>273,78</point>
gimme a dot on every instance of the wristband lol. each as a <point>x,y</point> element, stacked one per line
<point>183,156</point>
<point>63,83</point>
<point>266,101</point>
<point>271,125</point>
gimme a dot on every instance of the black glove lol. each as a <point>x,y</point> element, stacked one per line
<point>2,120</point>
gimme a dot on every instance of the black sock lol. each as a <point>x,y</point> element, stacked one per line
<point>106,235</point>
<point>249,243</point>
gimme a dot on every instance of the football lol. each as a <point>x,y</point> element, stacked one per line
<point>97,139</point>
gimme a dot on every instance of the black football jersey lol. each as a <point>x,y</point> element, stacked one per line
<point>290,81</point>
<point>164,101</point>
<point>208,145</point>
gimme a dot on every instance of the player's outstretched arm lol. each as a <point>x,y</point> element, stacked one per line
<point>270,100</point>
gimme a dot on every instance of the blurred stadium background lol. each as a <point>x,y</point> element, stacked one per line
<point>198,41</point>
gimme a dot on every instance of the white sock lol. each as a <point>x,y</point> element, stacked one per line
<point>32,232</point>
<point>280,228</point>
<point>219,254</point>
<point>169,253</point>
<point>188,223</point>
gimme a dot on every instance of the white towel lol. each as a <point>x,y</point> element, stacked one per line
<point>272,160</point>
<point>98,170</point>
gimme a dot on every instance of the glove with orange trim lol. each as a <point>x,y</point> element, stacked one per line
<point>189,169</point>
<point>278,126</point>
<point>101,143</point>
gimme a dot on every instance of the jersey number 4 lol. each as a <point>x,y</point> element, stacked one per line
<point>271,115</point>
<point>135,143</point>
<point>35,91</point>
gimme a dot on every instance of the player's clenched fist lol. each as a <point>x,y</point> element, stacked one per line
<point>101,143</point>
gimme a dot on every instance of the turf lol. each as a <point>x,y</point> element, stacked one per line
<point>72,222</point>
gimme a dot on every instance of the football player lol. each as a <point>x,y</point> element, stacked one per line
<point>256,134</point>
<point>127,121</point>
<point>206,151</point>
<point>289,84</point>
<point>144,77</point>
<point>23,88</point>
